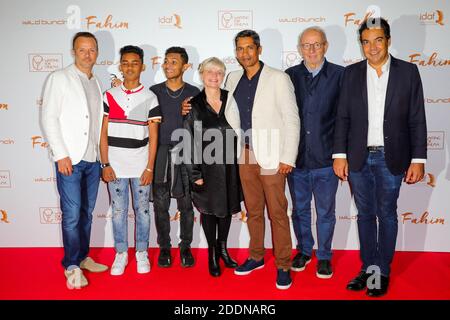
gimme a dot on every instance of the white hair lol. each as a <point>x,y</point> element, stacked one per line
<point>313,28</point>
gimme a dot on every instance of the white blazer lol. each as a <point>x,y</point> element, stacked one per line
<point>65,115</point>
<point>275,117</point>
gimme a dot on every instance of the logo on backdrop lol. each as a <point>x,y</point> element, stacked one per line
<point>93,22</point>
<point>437,100</point>
<point>235,19</point>
<point>7,141</point>
<point>230,61</point>
<point>290,59</point>
<point>424,218</point>
<point>348,218</point>
<point>45,62</point>
<point>350,61</point>
<point>38,141</point>
<point>108,215</point>
<point>5,179</point>
<point>435,140</point>
<point>4,216</point>
<point>352,19</point>
<point>240,216</point>
<point>302,20</point>
<point>50,215</point>
<point>432,18</point>
<point>4,106</point>
<point>106,63</point>
<point>171,21</point>
<point>44,22</point>
<point>177,216</point>
<point>45,180</point>
<point>431,61</point>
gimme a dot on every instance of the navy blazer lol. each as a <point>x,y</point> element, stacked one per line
<point>317,105</point>
<point>404,127</point>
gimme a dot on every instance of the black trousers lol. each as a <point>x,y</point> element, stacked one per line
<point>161,203</point>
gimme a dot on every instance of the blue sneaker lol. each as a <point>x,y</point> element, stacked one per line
<point>284,280</point>
<point>248,266</point>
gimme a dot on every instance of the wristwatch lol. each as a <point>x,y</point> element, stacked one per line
<point>104,165</point>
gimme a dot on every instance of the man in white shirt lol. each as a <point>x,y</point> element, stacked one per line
<point>380,139</point>
<point>71,119</point>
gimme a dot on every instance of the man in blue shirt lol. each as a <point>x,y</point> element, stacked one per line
<point>317,86</point>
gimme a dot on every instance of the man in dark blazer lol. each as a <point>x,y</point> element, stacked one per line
<point>380,139</point>
<point>317,84</point>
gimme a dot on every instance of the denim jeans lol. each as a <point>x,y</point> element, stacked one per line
<point>303,184</point>
<point>376,191</point>
<point>119,192</point>
<point>78,193</point>
<point>161,203</point>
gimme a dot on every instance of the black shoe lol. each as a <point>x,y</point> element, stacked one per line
<point>213,262</point>
<point>300,261</point>
<point>223,252</point>
<point>164,259</point>
<point>324,270</point>
<point>187,259</point>
<point>284,280</point>
<point>359,282</point>
<point>381,291</point>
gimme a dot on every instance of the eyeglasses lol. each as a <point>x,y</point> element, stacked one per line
<point>316,45</point>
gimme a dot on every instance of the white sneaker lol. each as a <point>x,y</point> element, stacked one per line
<point>120,262</point>
<point>143,265</point>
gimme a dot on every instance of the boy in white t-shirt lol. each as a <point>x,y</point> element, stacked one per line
<point>128,148</point>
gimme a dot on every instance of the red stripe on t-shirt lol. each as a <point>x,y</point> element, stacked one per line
<point>115,111</point>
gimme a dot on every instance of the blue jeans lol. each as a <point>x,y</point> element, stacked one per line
<point>303,184</point>
<point>118,191</point>
<point>376,191</point>
<point>78,193</point>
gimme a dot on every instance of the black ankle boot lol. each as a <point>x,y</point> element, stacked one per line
<point>223,251</point>
<point>213,262</point>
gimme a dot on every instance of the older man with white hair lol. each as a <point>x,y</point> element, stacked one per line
<point>317,86</point>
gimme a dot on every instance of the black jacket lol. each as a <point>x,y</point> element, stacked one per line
<point>404,127</point>
<point>220,194</point>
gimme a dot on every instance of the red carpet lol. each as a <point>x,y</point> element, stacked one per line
<point>36,273</point>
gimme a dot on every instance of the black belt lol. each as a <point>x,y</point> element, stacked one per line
<point>375,148</point>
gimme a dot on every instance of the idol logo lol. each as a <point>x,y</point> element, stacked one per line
<point>173,21</point>
<point>50,215</point>
<point>434,17</point>
<point>235,19</point>
<point>4,216</point>
<point>43,62</point>
<point>3,106</point>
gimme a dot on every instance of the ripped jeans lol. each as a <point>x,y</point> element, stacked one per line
<point>118,191</point>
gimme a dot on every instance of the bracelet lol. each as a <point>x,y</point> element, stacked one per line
<point>104,165</point>
<point>148,169</point>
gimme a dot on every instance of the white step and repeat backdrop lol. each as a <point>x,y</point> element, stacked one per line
<point>36,40</point>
